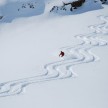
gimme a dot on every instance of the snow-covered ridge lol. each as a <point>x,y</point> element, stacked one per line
<point>12,9</point>
<point>53,71</point>
<point>15,9</point>
<point>69,8</point>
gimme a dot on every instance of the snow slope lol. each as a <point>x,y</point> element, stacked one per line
<point>88,5</point>
<point>29,55</point>
<point>63,69</point>
<point>26,8</point>
<point>21,8</point>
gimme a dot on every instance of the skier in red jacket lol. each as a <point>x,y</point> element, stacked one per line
<point>61,54</point>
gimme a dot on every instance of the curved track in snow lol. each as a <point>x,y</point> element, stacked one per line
<point>63,69</point>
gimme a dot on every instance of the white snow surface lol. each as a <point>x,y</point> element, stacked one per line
<point>13,9</point>
<point>31,72</point>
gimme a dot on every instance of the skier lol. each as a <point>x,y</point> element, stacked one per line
<point>61,54</point>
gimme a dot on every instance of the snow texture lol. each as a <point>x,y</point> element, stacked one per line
<point>31,38</point>
<point>63,69</point>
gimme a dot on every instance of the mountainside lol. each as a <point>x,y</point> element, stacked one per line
<point>12,9</point>
<point>15,9</point>
<point>53,54</point>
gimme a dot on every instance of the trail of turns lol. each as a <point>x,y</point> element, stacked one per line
<point>63,69</point>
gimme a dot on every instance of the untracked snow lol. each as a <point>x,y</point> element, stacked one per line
<point>13,9</point>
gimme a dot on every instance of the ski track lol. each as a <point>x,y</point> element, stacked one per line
<point>63,69</point>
